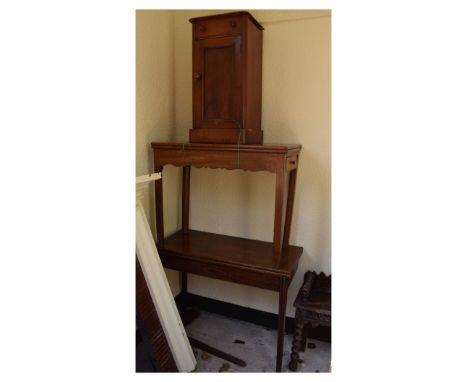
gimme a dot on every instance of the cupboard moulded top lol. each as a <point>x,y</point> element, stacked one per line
<point>230,14</point>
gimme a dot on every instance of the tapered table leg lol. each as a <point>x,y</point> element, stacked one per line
<point>183,281</point>
<point>185,214</point>
<point>289,207</point>
<point>283,296</point>
<point>279,215</point>
<point>158,195</point>
<point>185,199</point>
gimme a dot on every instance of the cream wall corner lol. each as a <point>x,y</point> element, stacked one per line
<point>155,111</point>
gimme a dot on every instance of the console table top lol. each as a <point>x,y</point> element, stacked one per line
<point>265,148</point>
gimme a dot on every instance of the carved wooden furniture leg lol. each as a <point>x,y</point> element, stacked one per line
<point>283,296</point>
<point>297,345</point>
<point>313,308</point>
<point>304,337</point>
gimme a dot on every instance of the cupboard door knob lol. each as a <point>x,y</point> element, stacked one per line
<point>202,28</point>
<point>233,24</point>
<point>197,76</point>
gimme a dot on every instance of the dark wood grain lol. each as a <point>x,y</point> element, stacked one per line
<point>185,214</point>
<point>271,148</point>
<point>237,251</point>
<point>185,198</point>
<point>217,83</point>
<point>289,207</point>
<point>225,17</point>
<point>220,92</point>
<point>216,352</point>
<point>158,196</point>
<point>279,212</point>
<point>252,101</point>
<point>217,26</point>
<point>313,308</point>
<point>159,347</point>
<point>269,158</point>
<point>245,261</point>
<point>227,71</point>
<point>226,135</point>
<point>251,262</point>
<point>278,159</point>
<point>183,282</point>
<point>283,295</point>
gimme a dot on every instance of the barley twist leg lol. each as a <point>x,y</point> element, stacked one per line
<point>297,345</point>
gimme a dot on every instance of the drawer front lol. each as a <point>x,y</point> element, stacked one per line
<point>216,271</point>
<point>218,27</point>
<point>217,82</point>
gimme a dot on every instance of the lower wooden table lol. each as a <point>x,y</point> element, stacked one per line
<point>268,265</point>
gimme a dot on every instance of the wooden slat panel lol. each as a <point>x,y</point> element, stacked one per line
<point>161,352</point>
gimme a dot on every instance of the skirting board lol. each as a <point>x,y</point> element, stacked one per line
<point>268,320</point>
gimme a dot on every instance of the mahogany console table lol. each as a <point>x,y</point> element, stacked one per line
<point>268,265</point>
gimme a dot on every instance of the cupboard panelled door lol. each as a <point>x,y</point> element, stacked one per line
<point>217,86</point>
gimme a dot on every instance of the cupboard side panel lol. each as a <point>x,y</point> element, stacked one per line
<point>253,77</point>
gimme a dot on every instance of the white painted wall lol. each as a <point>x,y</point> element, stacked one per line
<point>295,109</point>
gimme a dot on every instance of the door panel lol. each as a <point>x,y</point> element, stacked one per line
<point>218,97</point>
<point>217,83</point>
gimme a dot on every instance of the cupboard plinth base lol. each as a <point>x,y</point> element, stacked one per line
<point>226,135</point>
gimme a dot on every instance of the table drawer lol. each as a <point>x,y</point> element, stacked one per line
<point>221,272</point>
<point>218,27</point>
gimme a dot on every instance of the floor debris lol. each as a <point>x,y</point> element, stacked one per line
<point>225,367</point>
<point>311,345</point>
<point>205,356</point>
<point>259,349</point>
<point>239,342</point>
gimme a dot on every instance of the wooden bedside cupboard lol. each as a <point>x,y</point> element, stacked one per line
<point>227,79</point>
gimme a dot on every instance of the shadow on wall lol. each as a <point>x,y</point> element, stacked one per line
<point>311,216</point>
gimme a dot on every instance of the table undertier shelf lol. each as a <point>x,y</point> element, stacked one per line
<point>245,261</point>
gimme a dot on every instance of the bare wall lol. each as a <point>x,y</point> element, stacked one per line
<point>155,118</point>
